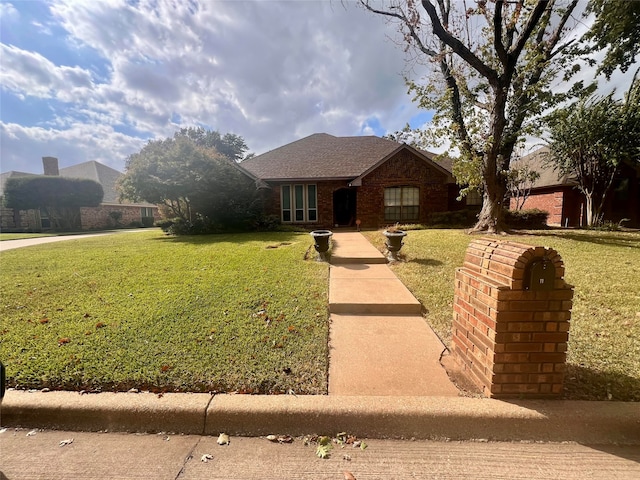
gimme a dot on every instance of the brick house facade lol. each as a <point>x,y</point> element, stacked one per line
<point>323,181</point>
<point>565,204</point>
<point>109,214</point>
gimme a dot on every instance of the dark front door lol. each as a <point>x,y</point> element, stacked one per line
<point>344,207</point>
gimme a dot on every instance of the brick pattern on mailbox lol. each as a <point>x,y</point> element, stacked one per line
<point>510,341</point>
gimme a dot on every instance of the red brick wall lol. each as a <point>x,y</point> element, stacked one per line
<point>404,169</point>
<point>564,206</point>
<point>98,217</point>
<point>510,341</point>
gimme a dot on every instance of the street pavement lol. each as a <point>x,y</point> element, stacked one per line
<point>27,454</point>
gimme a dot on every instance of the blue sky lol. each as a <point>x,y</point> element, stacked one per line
<point>94,80</point>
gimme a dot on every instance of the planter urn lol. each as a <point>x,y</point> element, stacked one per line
<point>394,242</point>
<point>321,242</point>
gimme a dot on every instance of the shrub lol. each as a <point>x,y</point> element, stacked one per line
<point>465,218</point>
<point>526,219</point>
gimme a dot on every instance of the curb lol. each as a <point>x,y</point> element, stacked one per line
<point>430,418</point>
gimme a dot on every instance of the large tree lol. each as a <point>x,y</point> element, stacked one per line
<point>616,29</point>
<point>493,65</point>
<point>60,198</point>
<point>230,145</point>
<point>591,139</point>
<point>188,176</point>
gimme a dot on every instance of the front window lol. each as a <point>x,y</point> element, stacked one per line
<point>401,204</point>
<point>299,203</point>
<point>474,197</point>
<point>147,212</point>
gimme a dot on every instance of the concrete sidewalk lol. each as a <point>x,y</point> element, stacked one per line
<point>379,342</point>
<point>39,455</point>
<point>385,381</point>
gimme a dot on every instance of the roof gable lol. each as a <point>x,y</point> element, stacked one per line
<point>96,171</point>
<point>324,157</point>
<point>549,176</point>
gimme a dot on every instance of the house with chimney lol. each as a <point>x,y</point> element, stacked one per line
<point>111,213</point>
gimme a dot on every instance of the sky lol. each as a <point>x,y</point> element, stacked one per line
<point>88,80</point>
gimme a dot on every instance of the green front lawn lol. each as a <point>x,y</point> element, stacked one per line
<point>604,337</point>
<point>212,313</point>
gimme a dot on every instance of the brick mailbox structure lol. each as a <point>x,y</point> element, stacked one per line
<point>511,319</point>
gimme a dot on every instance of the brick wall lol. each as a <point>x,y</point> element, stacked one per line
<point>509,340</point>
<point>563,204</point>
<point>404,169</point>
<point>98,217</point>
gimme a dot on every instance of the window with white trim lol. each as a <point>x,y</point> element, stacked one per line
<point>299,203</point>
<point>146,212</point>
<point>474,197</point>
<point>401,204</point>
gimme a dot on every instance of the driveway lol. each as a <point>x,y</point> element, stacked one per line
<point>27,242</point>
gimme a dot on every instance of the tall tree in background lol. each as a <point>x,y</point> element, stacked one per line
<point>589,141</point>
<point>60,198</point>
<point>189,176</point>
<point>493,65</point>
<point>230,145</point>
<point>616,29</point>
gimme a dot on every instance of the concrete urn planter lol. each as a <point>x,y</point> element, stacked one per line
<point>394,242</point>
<point>321,242</point>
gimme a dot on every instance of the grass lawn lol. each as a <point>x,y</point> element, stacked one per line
<point>604,339</point>
<point>210,313</point>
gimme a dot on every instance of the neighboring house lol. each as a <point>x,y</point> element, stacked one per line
<point>323,181</point>
<point>110,213</point>
<point>559,195</point>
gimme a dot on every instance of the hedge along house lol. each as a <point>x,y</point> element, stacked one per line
<point>323,181</point>
<point>559,196</point>
<point>109,214</point>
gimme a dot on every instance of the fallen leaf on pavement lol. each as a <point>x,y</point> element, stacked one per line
<point>68,441</point>
<point>223,439</point>
<point>32,433</point>
<point>349,476</point>
<point>206,457</point>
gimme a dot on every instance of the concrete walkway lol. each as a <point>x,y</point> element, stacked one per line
<point>379,342</point>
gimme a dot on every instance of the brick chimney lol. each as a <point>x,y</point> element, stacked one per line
<point>50,166</point>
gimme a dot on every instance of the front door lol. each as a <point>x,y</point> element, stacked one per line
<point>344,207</point>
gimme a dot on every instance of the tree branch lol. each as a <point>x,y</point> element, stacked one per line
<point>457,46</point>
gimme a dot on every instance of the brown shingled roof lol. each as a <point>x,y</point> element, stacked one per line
<point>323,156</point>
<point>549,176</point>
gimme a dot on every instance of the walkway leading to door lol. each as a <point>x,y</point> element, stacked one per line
<point>379,343</point>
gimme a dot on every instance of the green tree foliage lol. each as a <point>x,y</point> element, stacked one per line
<point>492,67</point>
<point>230,145</point>
<point>616,29</point>
<point>590,139</point>
<point>59,197</point>
<point>192,180</point>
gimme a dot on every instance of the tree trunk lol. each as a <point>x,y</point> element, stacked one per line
<point>589,209</point>
<point>491,216</point>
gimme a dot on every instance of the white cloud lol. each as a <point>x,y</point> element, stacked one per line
<point>269,71</point>
<point>30,74</point>
<point>74,144</point>
<point>8,12</point>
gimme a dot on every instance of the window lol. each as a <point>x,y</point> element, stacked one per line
<point>147,212</point>
<point>474,197</point>
<point>401,204</point>
<point>299,203</point>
